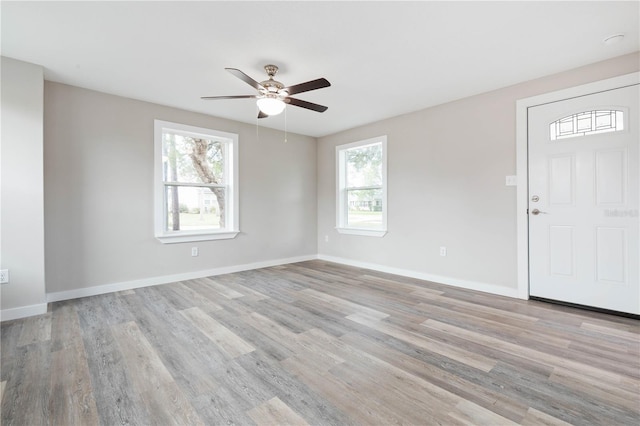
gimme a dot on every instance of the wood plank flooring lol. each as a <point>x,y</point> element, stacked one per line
<point>320,344</point>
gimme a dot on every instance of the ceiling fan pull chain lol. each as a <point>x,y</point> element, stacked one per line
<point>285,125</point>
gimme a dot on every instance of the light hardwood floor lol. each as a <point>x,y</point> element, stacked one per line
<point>321,344</point>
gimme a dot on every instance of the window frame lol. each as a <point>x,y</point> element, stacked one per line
<point>342,203</point>
<point>232,215</point>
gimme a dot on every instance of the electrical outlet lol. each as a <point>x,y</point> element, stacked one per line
<point>443,251</point>
<point>4,276</point>
<point>194,251</point>
<point>326,238</point>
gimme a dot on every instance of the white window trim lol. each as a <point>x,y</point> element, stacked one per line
<point>341,201</point>
<point>233,215</point>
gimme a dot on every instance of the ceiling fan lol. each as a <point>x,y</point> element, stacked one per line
<point>273,96</point>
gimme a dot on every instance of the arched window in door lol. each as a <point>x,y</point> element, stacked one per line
<point>587,123</point>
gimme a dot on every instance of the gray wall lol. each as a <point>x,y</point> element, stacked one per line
<point>98,169</point>
<point>446,187</point>
<point>22,212</point>
<point>446,184</point>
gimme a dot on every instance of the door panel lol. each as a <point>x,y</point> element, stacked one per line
<point>610,176</point>
<point>562,251</point>
<point>611,262</point>
<point>561,178</point>
<point>584,186</point>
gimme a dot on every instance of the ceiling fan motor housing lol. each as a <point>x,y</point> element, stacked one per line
<point>272,86</point>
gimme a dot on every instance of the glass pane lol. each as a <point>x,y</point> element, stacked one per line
<point>566,126</point>
<point>587,123</point>
<point>194,208</point>
<point>364,166</point>
<point>584,122</point>
<point>603,120</point>
<point>192,160</point>
<point>364,208</point>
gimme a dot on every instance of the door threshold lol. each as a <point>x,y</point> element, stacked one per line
<point>586,308</point>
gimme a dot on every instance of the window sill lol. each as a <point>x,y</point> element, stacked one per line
<point>184,237</point>
<point>364,232</point>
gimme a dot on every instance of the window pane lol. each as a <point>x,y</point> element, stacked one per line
<point>192,160</point>
<point>364,208</point>
<point>584,122</point>
<point>587,123</point>
<point>364,166</point>
<point>194,208</point>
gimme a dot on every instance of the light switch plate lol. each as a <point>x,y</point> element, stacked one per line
<point>511,180</point>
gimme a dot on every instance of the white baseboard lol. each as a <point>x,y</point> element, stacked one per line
<point>26,311</point>
<point>166,279</point>
<point>470,285</point>
<point>23,312</point>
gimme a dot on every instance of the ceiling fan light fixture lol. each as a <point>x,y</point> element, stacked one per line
<point>271,105</point>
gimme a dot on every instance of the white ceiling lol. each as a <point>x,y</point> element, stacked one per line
<point>382,58</point>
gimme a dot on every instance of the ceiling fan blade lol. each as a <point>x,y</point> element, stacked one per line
<point>231,97</point>
<point>262,114</point>
<point>242,76</point>
<point>305,104</point>
<point>309,85</point>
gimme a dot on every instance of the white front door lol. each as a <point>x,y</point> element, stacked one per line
<point>584,189</point>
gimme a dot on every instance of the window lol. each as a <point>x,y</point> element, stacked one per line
<point>587,123</point>
<point>196,183</point>
<point>362,187</point>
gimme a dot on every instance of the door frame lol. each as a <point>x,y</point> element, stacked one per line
<point>522,160</point>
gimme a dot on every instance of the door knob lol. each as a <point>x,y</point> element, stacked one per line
<point>536,212</point>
